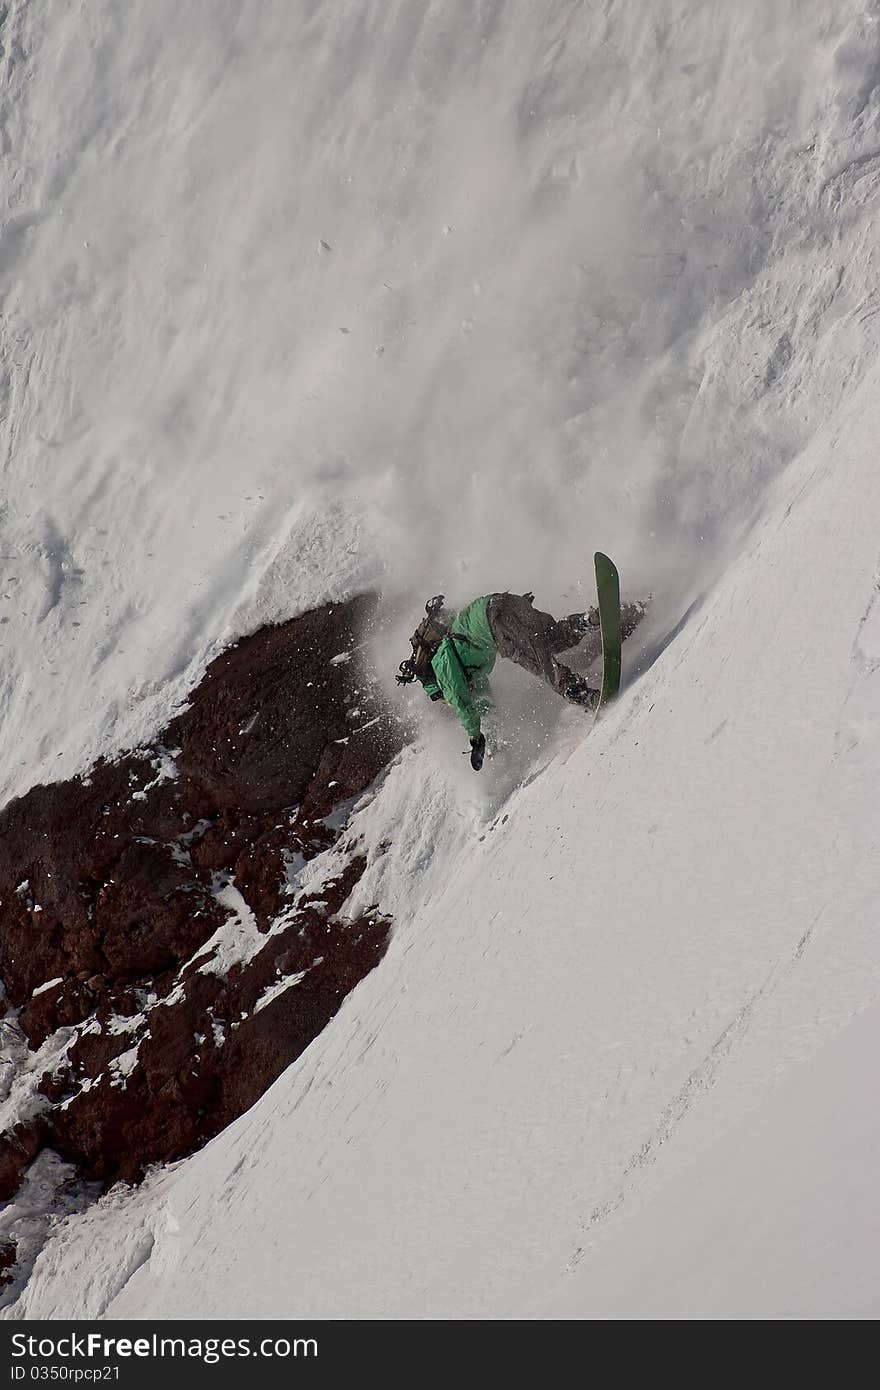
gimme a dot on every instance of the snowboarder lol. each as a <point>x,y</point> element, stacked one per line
<point>453,654</point>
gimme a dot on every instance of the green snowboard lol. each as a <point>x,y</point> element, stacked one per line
<point>608,589</point>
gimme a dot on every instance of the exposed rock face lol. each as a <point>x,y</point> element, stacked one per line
<point>8,1256</point>
<point>154,941</point>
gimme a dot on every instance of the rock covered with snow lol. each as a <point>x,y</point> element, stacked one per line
<point>172,925</point>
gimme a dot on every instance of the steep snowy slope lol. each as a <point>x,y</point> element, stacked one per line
<point>295,295</point>
<point>302,297</point>
<point>662,925</point>
<point>778,1218</point>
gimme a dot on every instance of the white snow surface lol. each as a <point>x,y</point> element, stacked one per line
<point>301,297</point>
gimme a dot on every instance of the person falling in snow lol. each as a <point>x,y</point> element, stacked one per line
<point>453,654</point>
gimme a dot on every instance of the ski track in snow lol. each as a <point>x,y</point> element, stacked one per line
<point>484,289</point>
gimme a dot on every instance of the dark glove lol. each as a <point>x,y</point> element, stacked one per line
<point>478,751</point>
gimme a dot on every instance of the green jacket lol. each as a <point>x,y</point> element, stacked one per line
<point>462,664</point>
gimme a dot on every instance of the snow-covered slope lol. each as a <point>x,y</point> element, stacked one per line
<point>665,923</point>
<point>593,276</point>
<point>778,1218</point>
<point>301,296</point>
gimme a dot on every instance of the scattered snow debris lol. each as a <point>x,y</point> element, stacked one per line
<point>369,725</point>
<point>117,1023</point>
<point>200,828</point>
<point>175,995</point>
<point>180,855</point>
<point>294,863</point>
<point>165,768</point>
<point>87,1084</point>
<point>121,1067</point>
<point>279,987</point>
<point>340,815</point>
<point>237,940</point>
<point>50,984</point>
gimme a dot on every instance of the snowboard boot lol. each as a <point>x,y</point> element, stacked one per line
<point>584,623</point>
<point>580,693</point>
<point>631,615</point>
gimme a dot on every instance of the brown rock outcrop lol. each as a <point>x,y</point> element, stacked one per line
<point>122,894</point>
